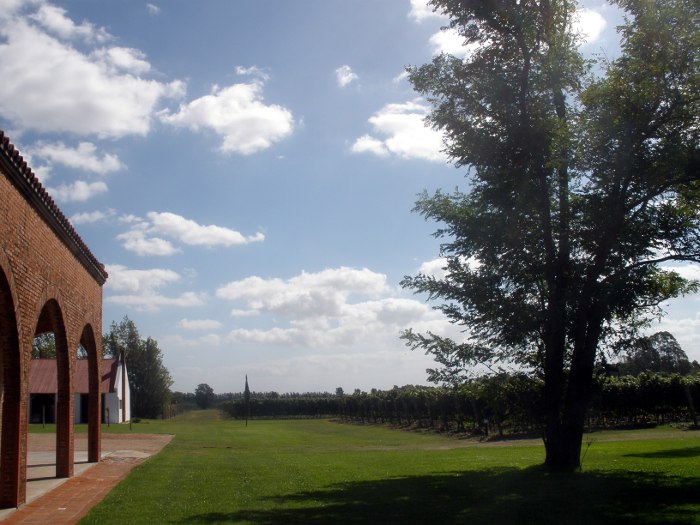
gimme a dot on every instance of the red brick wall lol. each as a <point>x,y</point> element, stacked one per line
<point>46,281</point>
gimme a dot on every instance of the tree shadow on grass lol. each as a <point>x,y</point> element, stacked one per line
<point>492,497</point>
<point>690,452</point>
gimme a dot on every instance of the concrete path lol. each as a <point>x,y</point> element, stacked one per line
<point>66,501</point>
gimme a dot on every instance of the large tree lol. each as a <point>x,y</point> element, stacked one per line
<point>204,396</point>
<point>149,379</point>
<point>659,352</point>
<point>583,178</point>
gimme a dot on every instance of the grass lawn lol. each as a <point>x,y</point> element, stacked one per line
<point>314,471</point>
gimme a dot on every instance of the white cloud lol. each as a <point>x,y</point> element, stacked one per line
<point>590,24</point>
<point>687,271</point>
<point>199,324</point>
<point>437,267</point>
<point>42,171</point>
<point>139,288</point>
<point>239,115</point>
<point>78,191</point>
<point>54,19</point>
<point>146,235</point>
<point>83,157</point>
<point>405,133</point>
<point>434,268</point>
<point>352,325</point>
<point>94,93</point>
<point>344,75</point>
<point>307,295</point>
<point>451,42</point>
<point>243,313</point>
<point>420,10</point>
<point>369,144</point>
<point>335,308</point>
<point>91,216</point>
<point>400,77</point>
<point>122,59</point>
<point>253,71</point>
<point>123,279</point>
<point>137,241</point>
<point>189,232</point>
<point>152,303</point>
<point>153,8</point>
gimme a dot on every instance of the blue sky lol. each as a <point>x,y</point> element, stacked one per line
<point>246,172</point>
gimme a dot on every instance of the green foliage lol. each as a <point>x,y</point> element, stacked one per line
<point>204,396</point>
<point>580,185</point>
<point>44,346</point>
<point>659,352</point>
<point>149,379</point>
<point>646,398</point>
<point>121,336</point>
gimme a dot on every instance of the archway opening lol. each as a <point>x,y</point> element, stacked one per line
<point>51,321</point>
<point>10,400</point>
<point>42,385</point>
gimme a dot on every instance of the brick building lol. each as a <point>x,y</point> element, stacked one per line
<point>49,282</point>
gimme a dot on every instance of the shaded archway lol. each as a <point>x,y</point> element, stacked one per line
<point>88,342</point>
<point>12,469</point>
<point>51,320</point>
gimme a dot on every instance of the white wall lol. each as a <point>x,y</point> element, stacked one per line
<point>111,408</point>
<point>126,416</point>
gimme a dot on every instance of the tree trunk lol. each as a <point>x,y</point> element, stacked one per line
<point>564,434</point>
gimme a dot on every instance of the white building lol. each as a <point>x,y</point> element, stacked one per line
<point>114,386</point>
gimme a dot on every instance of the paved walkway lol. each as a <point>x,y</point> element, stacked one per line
<point>66,501</point>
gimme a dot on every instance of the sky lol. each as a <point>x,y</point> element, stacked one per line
<point>246,171</point>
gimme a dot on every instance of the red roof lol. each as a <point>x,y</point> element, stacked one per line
<point>43,376</point>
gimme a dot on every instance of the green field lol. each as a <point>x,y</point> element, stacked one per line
<point>316,471</point>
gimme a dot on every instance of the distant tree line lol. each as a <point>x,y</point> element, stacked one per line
<point>274,405</point>
<point>652,382</point>
<point>500,404</point>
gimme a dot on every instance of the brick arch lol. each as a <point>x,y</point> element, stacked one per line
<point>12,466</point>
<point>51,319</point>
<point>94,357</point>
<point>49,281</point>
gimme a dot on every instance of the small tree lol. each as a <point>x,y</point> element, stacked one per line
<point>246,400</point>
<point>204,396</point>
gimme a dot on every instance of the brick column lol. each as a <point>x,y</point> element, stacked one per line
<point>94,408</point>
